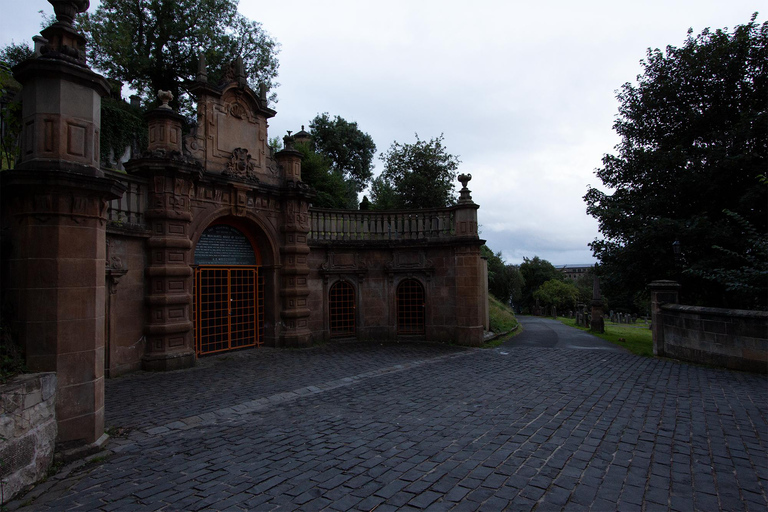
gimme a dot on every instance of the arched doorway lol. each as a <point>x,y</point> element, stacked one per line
<point>341,309</point>
<point>228,291</point>
<point>410,307</point>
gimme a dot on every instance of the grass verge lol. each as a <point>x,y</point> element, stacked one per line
<point>502,320</point>
<point>637,338</point>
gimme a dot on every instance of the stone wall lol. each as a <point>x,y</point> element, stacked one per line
<point>734,339</point>
<point>454,305</point>
<point>27,431</point>
<point>124,340</point>
<point>729,338</point>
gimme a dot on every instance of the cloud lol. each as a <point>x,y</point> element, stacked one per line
<point>523,91</point>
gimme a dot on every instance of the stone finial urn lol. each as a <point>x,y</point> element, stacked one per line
<point>66,10</point>
<point>165,97</point>
<point>464,194</point>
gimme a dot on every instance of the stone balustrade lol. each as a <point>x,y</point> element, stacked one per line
<point>128,211</point>
<point>354,225</point>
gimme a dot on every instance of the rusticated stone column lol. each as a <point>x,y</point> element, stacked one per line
<point>470,289</point>
<point>55,202</point>
<point>662,292</point>
<point>169,330</point>
<point>294,290</point>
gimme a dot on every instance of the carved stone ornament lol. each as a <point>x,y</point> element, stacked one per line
<point>241,166</point>
<point>410,264</point>
<point>238,111</point>
<point>165,97</point>
<point>343,265</point>
<point>66,10</point>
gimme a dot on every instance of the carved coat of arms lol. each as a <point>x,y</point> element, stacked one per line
<point>240,165</point>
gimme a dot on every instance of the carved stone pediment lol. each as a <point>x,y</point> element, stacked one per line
<point>343,264</point>
<point>230,137</point>
<point>409,263</point>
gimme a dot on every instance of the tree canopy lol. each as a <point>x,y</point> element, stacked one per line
<point>504,280</point>
<point>418,175</point>
<point>332,191</point>
<point>535,273</point>
<point>349,149</point>
<point>694,144</point>
<point>336,161</point>
<point>154,44</point>
<point>557,293</point>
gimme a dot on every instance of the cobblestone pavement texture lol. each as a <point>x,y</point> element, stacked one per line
<point>429,427</point>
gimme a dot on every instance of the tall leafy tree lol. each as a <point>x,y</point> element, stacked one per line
<point>504,280</point>
<point>535,273</point>
<point>421,174</point>
<point>557,293</point>
<point>349,149</point>
<point>154,44</point>
<point>694,142</point>
<point>331,189</point>
<point>10,104</point>
<point>15,53</point>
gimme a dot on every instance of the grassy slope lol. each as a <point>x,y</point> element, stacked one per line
<point>502,317</point>
<point>638,336</point>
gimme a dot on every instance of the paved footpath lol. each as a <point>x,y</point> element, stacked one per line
<point>552,424</point>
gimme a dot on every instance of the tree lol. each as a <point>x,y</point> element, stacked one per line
<point>349,149</point>
<point>154,44</point>
<point>536,272</point>
<point>694,133</point>
<point>332,191</point>
<point>504,280</point>
<point>421,175</point>
<point>14,53</point>
<point>10,104</point>
<point>383,195</point>
<point>557,293</point>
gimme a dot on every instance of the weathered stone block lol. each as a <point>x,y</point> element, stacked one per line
<point>27,431</point>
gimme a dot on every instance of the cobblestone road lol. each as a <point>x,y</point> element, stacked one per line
<point>412,427</point>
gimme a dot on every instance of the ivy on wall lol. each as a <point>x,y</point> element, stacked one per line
<point>122,126</point>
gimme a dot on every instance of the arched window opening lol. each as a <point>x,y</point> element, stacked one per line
<point>341,309</point>
<point>410,307</point>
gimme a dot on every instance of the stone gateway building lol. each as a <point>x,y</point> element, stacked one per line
<point>206,243</point>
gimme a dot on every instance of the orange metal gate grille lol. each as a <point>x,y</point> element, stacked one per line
<point>410,307</point>
<point>341,306</point>
<point>228,308</point>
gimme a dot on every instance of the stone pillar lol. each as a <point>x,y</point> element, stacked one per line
<point>470,288</point>
<point>55,201</point>
<point>294,290</point>
<point>662,292</point>
<point>169,331</point>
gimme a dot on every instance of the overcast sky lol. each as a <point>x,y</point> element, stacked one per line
<point>524,92</point>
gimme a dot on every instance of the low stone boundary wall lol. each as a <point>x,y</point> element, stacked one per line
<point>729,338</point>
<point>735,339</point>
<point>27,431</point>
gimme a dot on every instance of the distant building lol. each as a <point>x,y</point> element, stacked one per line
<point>573,272</point>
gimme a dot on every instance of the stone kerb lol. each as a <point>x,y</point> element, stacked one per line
<point>27,431</point>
